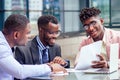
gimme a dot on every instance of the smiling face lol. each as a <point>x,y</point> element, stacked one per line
<point>94,28</point>
<point>49,34</point>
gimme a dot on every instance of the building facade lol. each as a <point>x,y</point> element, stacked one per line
<point>66,11</point>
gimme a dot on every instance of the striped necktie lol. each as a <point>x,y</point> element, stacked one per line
<point>45,56</point>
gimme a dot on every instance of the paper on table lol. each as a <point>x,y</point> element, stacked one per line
<point>88,54</point>
<point>60,73</point>
<point>73,70</point>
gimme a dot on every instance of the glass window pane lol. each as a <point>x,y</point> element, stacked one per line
<point>35,11</point>
<point>71,15</point>
<point>115,12</point>
<point>15,7</point>
<point>68,5</point>
<point>35,8</point>
<point>35,4</point>
<point>72,21</point>
<point>52,7</point>
<point>104,7</point>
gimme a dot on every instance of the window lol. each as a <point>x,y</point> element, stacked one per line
<point>15,6</point>
<point>71,16</point>
<point>115,13</point>
<point>35,10</point>
<point>104,7</point>
<point>65,11</point>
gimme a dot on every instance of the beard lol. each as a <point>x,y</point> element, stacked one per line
<point>50,41</point>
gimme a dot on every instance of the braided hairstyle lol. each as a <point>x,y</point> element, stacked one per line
<point>86,13</point>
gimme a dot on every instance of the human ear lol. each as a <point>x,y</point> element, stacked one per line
<point>16,34</point>
<point>102,21</point>
<point>40,29</point>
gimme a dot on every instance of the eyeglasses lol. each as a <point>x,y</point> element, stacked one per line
<point>87,26</point>
<point>52,32</point>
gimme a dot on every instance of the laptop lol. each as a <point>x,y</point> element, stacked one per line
<point>113,63</point>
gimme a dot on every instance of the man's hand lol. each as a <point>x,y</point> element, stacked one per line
<point>100,64</point>
<point>57,68</point>
<point>59,60</point>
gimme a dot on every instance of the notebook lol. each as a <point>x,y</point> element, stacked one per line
<point>113,63</point>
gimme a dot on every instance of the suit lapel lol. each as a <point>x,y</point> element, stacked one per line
<point>35,51</point>
<point>51,53</point>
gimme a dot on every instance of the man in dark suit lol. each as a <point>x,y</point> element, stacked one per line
<point>29,54</point>
<point>33,52</point>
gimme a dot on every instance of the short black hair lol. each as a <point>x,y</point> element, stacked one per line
<point>45,19</point>
<point>15,22</point>
<point>86,13</point>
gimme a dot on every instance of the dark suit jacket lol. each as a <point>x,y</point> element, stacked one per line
<point>29,54</point>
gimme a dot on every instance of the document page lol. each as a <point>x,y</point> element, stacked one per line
<point>60,73</point>
<point>88,54</point>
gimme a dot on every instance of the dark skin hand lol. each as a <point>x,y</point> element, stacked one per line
<point>59,60</point>
<point>57,67</point>
<point>100,64</point>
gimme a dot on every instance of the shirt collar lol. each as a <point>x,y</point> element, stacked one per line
<point>40,44</point>
<point>104,37</point>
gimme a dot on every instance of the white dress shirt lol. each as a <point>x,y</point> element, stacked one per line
<point>10,68</point>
